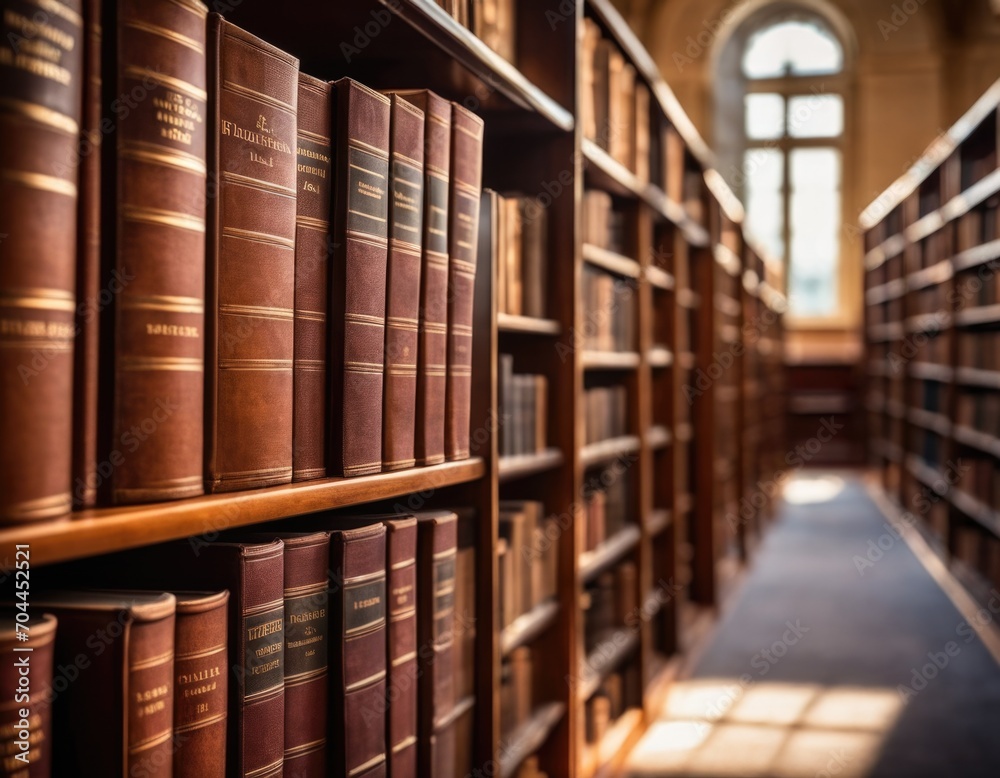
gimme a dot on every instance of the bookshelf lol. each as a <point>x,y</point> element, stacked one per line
<point>931,329</point>
<point>690,280</point>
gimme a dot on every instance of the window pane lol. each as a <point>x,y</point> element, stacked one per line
<point>765,116</point>
<point>792,47</point>
<point>815,116</point>
<point>815,231</point>
<point>763,170</point>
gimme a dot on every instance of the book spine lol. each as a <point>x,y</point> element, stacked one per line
<point>251,260</point>
<point>160,251</point>
<point>357,302</point>
<point>88,270</point>
<point>150,697</point>
<point>40,104</point>
<point>358,651</point>
<point>432,349</point>
<point>403,291</point>
<point>312,229</point>
<point>401,723</point>
<point>306,678</point>
<point>32,755</point>
<point>201,686</point>
<point>463,238</point>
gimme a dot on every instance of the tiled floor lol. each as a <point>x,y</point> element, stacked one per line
<point>829,666</point>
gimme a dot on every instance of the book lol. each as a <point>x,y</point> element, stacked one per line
<point>312,230</point>
<point>463,237</point>
<point>40,113</point>
<point>403,291</point>
<point>127,639</point>
<point>358,651</point>
<point>493,22</point>
<point>201,684</point>
<point>156,161</point>
<point>401,646</point>
<point>641,150</point>
<point>253,97</point>
<point>464,620</point>
<point>432,346</point>
<point>87,344</point>
<point>26,716</point>
<point>534,256</point>
<point>437,540</point>
<point>358,278</point>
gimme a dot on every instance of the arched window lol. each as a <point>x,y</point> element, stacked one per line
<point>780,116</point>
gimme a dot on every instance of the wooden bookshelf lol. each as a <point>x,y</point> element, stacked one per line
<point>932,315</point>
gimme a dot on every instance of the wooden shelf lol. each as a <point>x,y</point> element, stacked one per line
<point>883,332</point>
<point>983,441</point>
<point>929,476</point>
<point>529,737</point>
<point>974,376</point>
<point>593,563</point>
<point>978,316</point>
<point>978,511</point>
<point>929,323</point>
<point>658,278</point>
<point>657,521</point>
<point>929,276</point>
<point>928,420</point>
<point>660,357</point>
<point>658,437</point>
<point>610,261</point>
<point>528,626</point>
<point>614,744</point>
<point>610,360</point>
<point>931,372</point>
<point>610,652</point>
<point>606,450</point>
<point>885,292</point>
<point>976,256</point>
<point>527,325</point>
<point>524,465</point>
<point>114,529</point>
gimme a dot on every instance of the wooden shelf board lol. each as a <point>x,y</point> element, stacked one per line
<point>530,736</point>
<point>884,292</point>
<point>658,520</point>
<point>523,465</point>
<point>889,248</point>
<point>659,278</point>
<point>600,662</point>
<point>983,441</point>
<point>928,322</point>
<point>929,476</point>
<point>976,510</point>
<point>929,276</point>
<point>606,450</point>
<point>976,256</point>
<point>609,360</point>
<point>931,371</point>
<point>974,376</point>
<point>611,261</point>
<point>978,316</point>
<point>612,747</point>
<point>593,563</point>
<point>527,325</point>
<point>528,626</point>
<point>104,530</point>
<point>727,259</point>
<point>928,420</point>
<point>660,357</point>
<point>658,437</point>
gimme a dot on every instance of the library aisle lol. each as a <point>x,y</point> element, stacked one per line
<point>841,655</point>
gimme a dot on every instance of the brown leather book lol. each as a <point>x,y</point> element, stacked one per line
<point>463,238</point>
<point>432,348</point>
<point>358,652</point>
<point>403,291</point>
<point>534,251</point>
<point>358,275</point>
<point>401,723</point>
<point>128,641</point>
<point>253,97</point>
<point>641,146</point>
<point>26,714</point>
<point>156,162</point>
<point>39,123</point>
<point>201,684</point>
<point>312,230</point>
<point>86,348</point>
<point>464,625</point>
<point>436,549</point>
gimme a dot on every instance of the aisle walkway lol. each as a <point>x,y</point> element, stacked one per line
<point>807,675</point>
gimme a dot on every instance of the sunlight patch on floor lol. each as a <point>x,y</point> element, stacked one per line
<point>810,490</point>
<point>716,728</point>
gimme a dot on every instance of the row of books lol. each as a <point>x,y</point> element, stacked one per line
<point>492,21</point>
<point>517,698</point>
<point>523,401</point>
<point>605,412</point>
<point>936,247</point>
<point>978,226</point>
<point>606,510</point>
<point>611,601</point>
<point>978,349</point>
<point>603,226</point>
<point>929,396</point>
<point>522,256</point>
<point>617,693</point>
<point>341,646</point>
<point>926,444</point>
<point>610,310</point>
<point>528,558</point>
<point>979,551</point>
<point>978,410</point>
<point>266,277</point>
<point>614,102</point>
<point>930,299</point>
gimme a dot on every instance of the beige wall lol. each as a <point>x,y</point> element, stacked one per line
<point>909,83</point>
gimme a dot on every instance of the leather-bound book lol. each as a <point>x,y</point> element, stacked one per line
<point>464,623</point>
<point>155,166</point>
<point>253,95</point>
<point>39,123</point>
<point>403,292</point>
<point>358,275</point>
<point>358,652</point>
<point>30,755</point>
<point>312,230</point>
<point>436,549</point>
<point>87,345</point>
<point>432,348</point>
<point>401,723</point>
<point>201,684</point>
<point>128,640</point>
<point>463,239</point>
